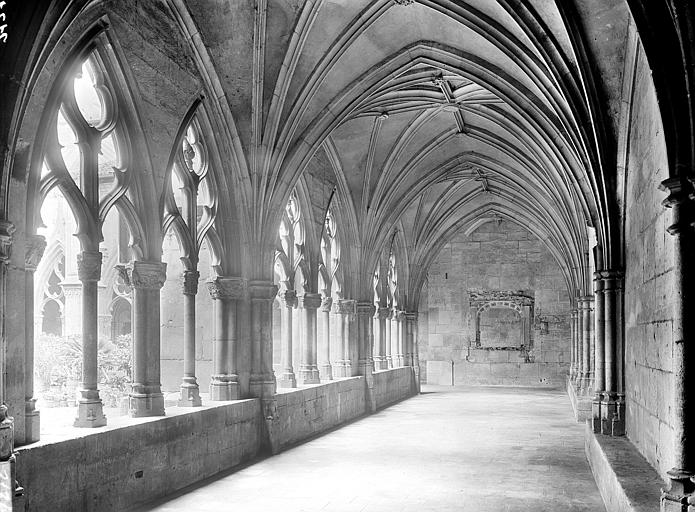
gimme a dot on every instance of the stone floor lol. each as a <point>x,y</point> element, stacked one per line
<point>464,449</point>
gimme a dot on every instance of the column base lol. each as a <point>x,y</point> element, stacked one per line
<point>389,362</point>
<point>309,376</point>
<point>380,363</point>
<point>90,414</point>
<point>223,388</point>
<point>338,370</point>
<point>596,414</point>
<point>680,496</point>
<point>32,421</point>
<point>327,371</point>
<point>287,380</point>
<point>262,386</point>
<point>190,395</point>
<point>612,417</point>
<point>141,405</point>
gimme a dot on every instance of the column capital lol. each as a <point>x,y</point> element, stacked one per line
<point>366,309</point>
<point>7,230</point>
<point>262,290</point>
<point>680,192</point>
<point>411,315</point>
<point>189,282</point>
<point>288,298</point>
<point>326,303</point>
<point>34,248</point>
<point>612,278</point>
<point>227,288</point>
<point>146,275</point>
<point>384,313</point>
<point>399,315</point>
<point>89,266</point>
<point>344,307</point>
<point>309,300</point>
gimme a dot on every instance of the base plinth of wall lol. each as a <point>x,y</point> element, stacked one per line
<point>626,481</point>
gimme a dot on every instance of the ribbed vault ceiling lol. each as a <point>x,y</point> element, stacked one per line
<point>437,115</point>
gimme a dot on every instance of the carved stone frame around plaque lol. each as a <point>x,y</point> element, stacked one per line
<point>518,300</point>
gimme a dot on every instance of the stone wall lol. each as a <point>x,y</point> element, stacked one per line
<point>137,460</point>
<point>648,280</point>
<point>393,385</point>
<point>119,467</point>
<point>306,412</point>
<point>496,256</point>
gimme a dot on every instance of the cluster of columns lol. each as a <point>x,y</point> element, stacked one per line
<point>321,340</point>
<point>680,495</point>
<point>596,369</point>
<point>394,338</point>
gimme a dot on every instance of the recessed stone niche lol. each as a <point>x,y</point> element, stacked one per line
<point>502,319</point>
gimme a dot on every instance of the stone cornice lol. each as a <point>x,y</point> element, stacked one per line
<point>309,301</point>
<point>228,288</point>
<point>189,282</point>
<point>146,275</point>
<point>34,248</point>
<point>7,230</point>
<point>89,266</point>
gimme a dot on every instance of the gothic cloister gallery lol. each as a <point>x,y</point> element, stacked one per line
<point>460,230</point>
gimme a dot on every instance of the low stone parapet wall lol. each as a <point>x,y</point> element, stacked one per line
<point>393,385</point>
<point>117,467</point>
<point>135,460</point>
<point>305,412</point>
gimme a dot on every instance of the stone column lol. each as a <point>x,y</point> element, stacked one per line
<point>582,343</point>
<point>382,360</point>
<point>226,293</point>
<point>325,339</point>
<point>308,303</point>
<point>35,245</point>
<point>613,405</point>
<point>365,336</point>
<point>146,279</point>
<point>573,345</point>
<point>388,336</point>
<point>350,309</point>
<point>599,366</point>
<point>400,338</point>
<point>288,301</point>
<point>90,410</point>
<point>411,319</point>
<point>681,487</point>
<point>340,310</point>
<point>190,392</point>
<point>7,230</point>
<point>262,381</point>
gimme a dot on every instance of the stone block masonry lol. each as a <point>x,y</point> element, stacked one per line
<point>499,256</point>
<point>139,460</point>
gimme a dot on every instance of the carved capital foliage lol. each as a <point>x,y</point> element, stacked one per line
<point>189,282</point>
<point>34,248</point>
<point>366,309</point>
<point>309,300</point>
<point>403,2</point>
<point>399,315</point>
<point>89,266</point>
<point>384,313</point>
<point>262,290</point>
<point>288,298</point>
<point>344,307</point>
<point>7,229</point>
<point>326,303</point>
<point>147,275</point>
<point>228,288</point>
